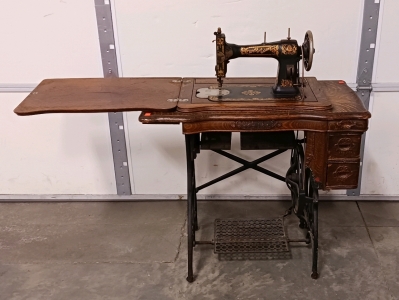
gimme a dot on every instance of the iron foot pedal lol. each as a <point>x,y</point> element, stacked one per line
<point>255,239</point>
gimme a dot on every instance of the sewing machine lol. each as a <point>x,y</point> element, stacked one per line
<point>288,91</point>
<point>287,52</point>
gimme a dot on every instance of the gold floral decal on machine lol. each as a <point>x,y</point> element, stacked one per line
<point>259,50</point>
<point>220,41</point>
<point>286,82</point>
<point>288,49</point>
<point>250,93</point>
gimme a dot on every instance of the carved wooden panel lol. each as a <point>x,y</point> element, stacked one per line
<point>252,126</point>
<point>316,155</point>
<point>346,125</point>
<point>344,146</point>
<point>342,175</point>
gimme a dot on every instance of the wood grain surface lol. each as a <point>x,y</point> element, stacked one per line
<point>316,155</point>
<point>88,95</point>
<point>347,112</point>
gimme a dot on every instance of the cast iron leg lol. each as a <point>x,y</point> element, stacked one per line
<point>190,205</point>
<point>315,241</point>
<point>312,214</point>
<point>196,227</point>
<point>197,150</point>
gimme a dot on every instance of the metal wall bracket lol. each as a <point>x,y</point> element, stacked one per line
<point>364,88</point>
<point>365,68</point>
<point>110,68</point>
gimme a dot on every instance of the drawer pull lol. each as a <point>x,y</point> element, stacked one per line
<point>345,124</point>
<point>345,144</point>
<point>343,172</point>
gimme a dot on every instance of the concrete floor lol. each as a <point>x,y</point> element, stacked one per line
<point>138,251</point>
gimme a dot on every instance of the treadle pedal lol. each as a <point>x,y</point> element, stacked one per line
<point>251,239</point>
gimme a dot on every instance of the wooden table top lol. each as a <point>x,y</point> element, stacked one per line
<point>159,99</point>
<point>92,95</point>
<point>345,105</point>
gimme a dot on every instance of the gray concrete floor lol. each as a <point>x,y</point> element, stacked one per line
<point>138,250</point>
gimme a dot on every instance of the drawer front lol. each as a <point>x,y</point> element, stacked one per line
<point>342,175</point>
<point>346,125</point>
<point>344,146</point>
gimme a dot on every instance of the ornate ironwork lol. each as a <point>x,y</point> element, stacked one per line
<point>250,236</point>
<point>256,239</point>
<point>304,197</point>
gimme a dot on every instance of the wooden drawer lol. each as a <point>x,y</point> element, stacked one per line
<point>344,146</point>
<point>345,125</point>
<point>342,175</point>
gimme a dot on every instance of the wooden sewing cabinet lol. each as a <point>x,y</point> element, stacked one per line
<point>331,116</point>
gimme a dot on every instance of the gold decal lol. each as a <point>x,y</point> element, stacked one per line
<point>220,73</point>
<point>286,82</point>
<point>288,49</point>
<point>250,93</point>
<point>259,50</point>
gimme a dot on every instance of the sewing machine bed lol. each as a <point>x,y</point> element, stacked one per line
<point>248,94</point>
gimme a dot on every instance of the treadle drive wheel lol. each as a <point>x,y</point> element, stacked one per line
<point>295,181</point>
<point>305,196</point>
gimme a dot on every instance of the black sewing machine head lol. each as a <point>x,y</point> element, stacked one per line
<point>287,52</point>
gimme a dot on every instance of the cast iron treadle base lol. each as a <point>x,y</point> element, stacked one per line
<point>256,239</point>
